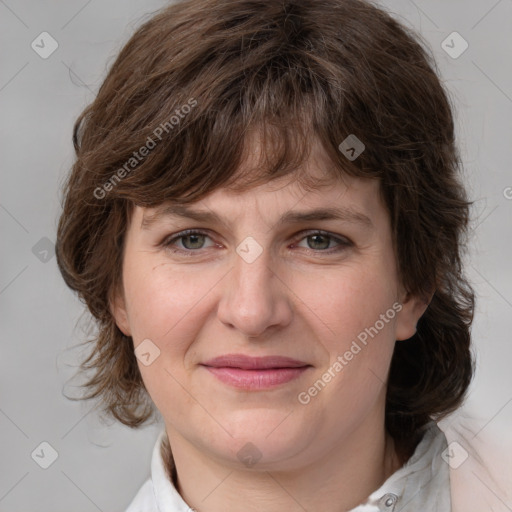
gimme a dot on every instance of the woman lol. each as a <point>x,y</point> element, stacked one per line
<point>267,221</point>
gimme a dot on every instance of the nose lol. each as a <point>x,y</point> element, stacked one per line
<point>255,298</point>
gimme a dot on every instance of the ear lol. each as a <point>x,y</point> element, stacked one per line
<point>118,310</point>
<point>413,307</point>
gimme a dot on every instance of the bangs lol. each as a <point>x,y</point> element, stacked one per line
<point>202,133</point>
<point>228,148</point>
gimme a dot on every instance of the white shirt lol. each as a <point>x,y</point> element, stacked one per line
<point>422,484</point>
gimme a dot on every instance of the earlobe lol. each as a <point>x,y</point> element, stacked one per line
<point>118,310</point>
<point>413,307</point>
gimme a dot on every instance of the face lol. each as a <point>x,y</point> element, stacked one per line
<point>265,327</point>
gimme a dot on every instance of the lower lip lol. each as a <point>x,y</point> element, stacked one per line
<point>256,379</point>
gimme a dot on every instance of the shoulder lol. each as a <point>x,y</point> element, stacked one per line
<point>158,492</point>
<point>479,456</point>
<point>422,483</point>
<point>144,500</point>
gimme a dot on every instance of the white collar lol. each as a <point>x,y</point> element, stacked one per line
<point>422,483</point>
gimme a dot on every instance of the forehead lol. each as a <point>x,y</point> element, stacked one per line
<point>356,202</point>
<point>312,187</point>
<point>316,183</point>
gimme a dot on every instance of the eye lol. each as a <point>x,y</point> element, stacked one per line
<point>317,242</point>
<point>191,240</point>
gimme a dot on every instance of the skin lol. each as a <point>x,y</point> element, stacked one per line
<point>297,299</point>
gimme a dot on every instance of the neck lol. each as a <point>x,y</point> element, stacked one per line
<point>339,480</point>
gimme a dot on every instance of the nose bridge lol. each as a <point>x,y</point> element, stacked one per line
<point>253,279</point>
<point>253,299</point>
<point>252,271</point>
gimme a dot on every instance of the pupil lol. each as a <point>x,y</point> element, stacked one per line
<point>194,240</point>
<point>325,244</point>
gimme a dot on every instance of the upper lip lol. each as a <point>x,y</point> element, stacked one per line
<point>254,363</point>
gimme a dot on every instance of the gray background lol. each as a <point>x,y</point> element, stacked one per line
<point>101,467</point>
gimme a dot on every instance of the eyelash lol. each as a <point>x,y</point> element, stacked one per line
<point>168,242</point>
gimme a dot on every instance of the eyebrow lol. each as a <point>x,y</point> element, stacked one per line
<point>290,217</point>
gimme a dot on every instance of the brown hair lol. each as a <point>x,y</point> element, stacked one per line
<point>208,73</point>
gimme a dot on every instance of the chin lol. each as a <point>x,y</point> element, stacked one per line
<point>272,438</point>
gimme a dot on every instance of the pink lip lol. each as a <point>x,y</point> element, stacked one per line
<point>247,372</point>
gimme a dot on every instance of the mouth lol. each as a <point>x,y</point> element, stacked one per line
<point>256,373</point>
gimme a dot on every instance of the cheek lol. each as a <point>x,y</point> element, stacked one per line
<point>162,298</point>
<point>347,301</point>
<point>360,310</point>
<point>164,305</point>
